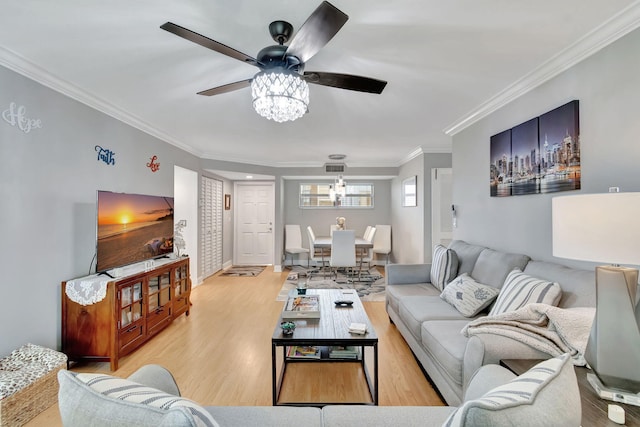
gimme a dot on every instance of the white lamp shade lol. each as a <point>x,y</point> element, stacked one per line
<point>597,227</point>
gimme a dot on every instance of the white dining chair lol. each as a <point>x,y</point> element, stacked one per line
<point>382,241</point>
<point>315,255</point>
<point>367,254</point>
<point>293,243</point>
<point>367,230</point>
<point>343,250</point>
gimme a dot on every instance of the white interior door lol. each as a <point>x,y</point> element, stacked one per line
<point>211,226</point>
<point>254,223</point>
<point>441,200</point>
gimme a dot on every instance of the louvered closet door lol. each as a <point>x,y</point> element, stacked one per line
<point>211,214</point>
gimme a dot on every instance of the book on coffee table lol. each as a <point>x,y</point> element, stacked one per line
<point>302,307</point>
<point>344,352</point>
<point>358,328</point>
<point>303,352</point>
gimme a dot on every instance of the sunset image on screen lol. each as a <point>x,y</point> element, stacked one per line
<point>132,227</point>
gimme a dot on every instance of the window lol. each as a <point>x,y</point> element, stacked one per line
<point>409,191</point>
<point>314,195</point>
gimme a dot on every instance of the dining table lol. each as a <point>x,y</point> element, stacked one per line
<point>324,242</point>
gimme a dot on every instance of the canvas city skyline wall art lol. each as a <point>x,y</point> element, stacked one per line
<point>541,155</point>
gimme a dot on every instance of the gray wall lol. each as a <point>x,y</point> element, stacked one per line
<point>407,223</point>
<point>608,88</point>
<point>48,183</point>
<point>431,161</point>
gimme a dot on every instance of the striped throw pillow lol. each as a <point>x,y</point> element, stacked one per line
<point>526,390</point>
<point>468,296</point>
<point>129,391</point>
<point>520,289</point>
<point>444,266</point>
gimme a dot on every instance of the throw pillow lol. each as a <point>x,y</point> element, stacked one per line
<point>468,296</point>
<point>545,395</point>
<point>520,289</point>
<point>134,393</point>
<point>444,266</point>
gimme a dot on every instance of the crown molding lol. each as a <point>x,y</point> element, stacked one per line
<point>418,151</point>
<point>22,66</point>
<point>619,25</point>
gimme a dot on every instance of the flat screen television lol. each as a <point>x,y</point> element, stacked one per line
<point>132,228</point>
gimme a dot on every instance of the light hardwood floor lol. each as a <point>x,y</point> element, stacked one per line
<point>221,353</point>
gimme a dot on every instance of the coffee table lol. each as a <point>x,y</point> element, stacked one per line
<point>331,329</point>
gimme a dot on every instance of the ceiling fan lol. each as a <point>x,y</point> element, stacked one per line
<point>280,89</point>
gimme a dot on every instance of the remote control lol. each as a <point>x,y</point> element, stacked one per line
<point>344,302</point>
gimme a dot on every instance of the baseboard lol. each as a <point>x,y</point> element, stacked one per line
<point>277,268</point>
<point>226,265</point>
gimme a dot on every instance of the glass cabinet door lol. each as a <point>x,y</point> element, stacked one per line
<point>181,280</point>
<point>130,303</point>
<point>159,290</point>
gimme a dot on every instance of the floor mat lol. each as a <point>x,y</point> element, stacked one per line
<point>243,270</point>
<point>370,286</point>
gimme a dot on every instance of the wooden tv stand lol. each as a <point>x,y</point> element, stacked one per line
<point>136,306</point>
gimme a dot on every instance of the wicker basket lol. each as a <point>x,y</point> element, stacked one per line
<point>23,405</point>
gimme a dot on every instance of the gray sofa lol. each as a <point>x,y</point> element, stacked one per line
<point>546,395</point>
<point>432,327</point>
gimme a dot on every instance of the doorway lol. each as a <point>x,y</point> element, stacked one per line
<point>211,226</point>
<point>254,216</point>
<point>441,207</point>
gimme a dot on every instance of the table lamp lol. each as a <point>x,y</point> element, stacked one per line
<point>606,228</point>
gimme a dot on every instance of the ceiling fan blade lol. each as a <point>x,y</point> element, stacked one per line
<point>226,88</point>
<point>345,81</point>
<point>316,32</point>
<point>208,43</point>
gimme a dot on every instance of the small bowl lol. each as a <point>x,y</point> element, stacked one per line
<point>287,328</point>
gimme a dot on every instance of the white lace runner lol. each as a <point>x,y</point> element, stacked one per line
<point>87,291</point>
<point>92,289</point>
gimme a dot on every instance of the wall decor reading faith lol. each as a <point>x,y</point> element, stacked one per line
<point>153,165</point>
<point>106,155</point>
<point>541,155</point>
<point>17,117</point>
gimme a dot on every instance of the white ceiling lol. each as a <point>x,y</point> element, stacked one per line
<point>447,64</point>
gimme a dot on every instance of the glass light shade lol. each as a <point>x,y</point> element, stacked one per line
<point>280,95</point>
<point>332,193</point>
<point>597,227</point>
<point>341,187</point>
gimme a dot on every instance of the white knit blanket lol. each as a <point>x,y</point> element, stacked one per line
<point>550,329</point>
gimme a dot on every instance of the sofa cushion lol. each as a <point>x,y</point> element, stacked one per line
<point>468,296</point>
<point>467,255</point>
<point>443,340</point>
<point>444,266</point>
<point>266,416</point>
<point>415,310</point>
<point>395,292</point>
<point>383,416</point>
<point>486,378</point>
<point>98,399</point>
<point>545,395</point>
<point>492,267</point>
<point>521,289</point>
<point>578,286</point>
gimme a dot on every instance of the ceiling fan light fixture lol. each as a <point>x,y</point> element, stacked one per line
<point>280,95</point>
